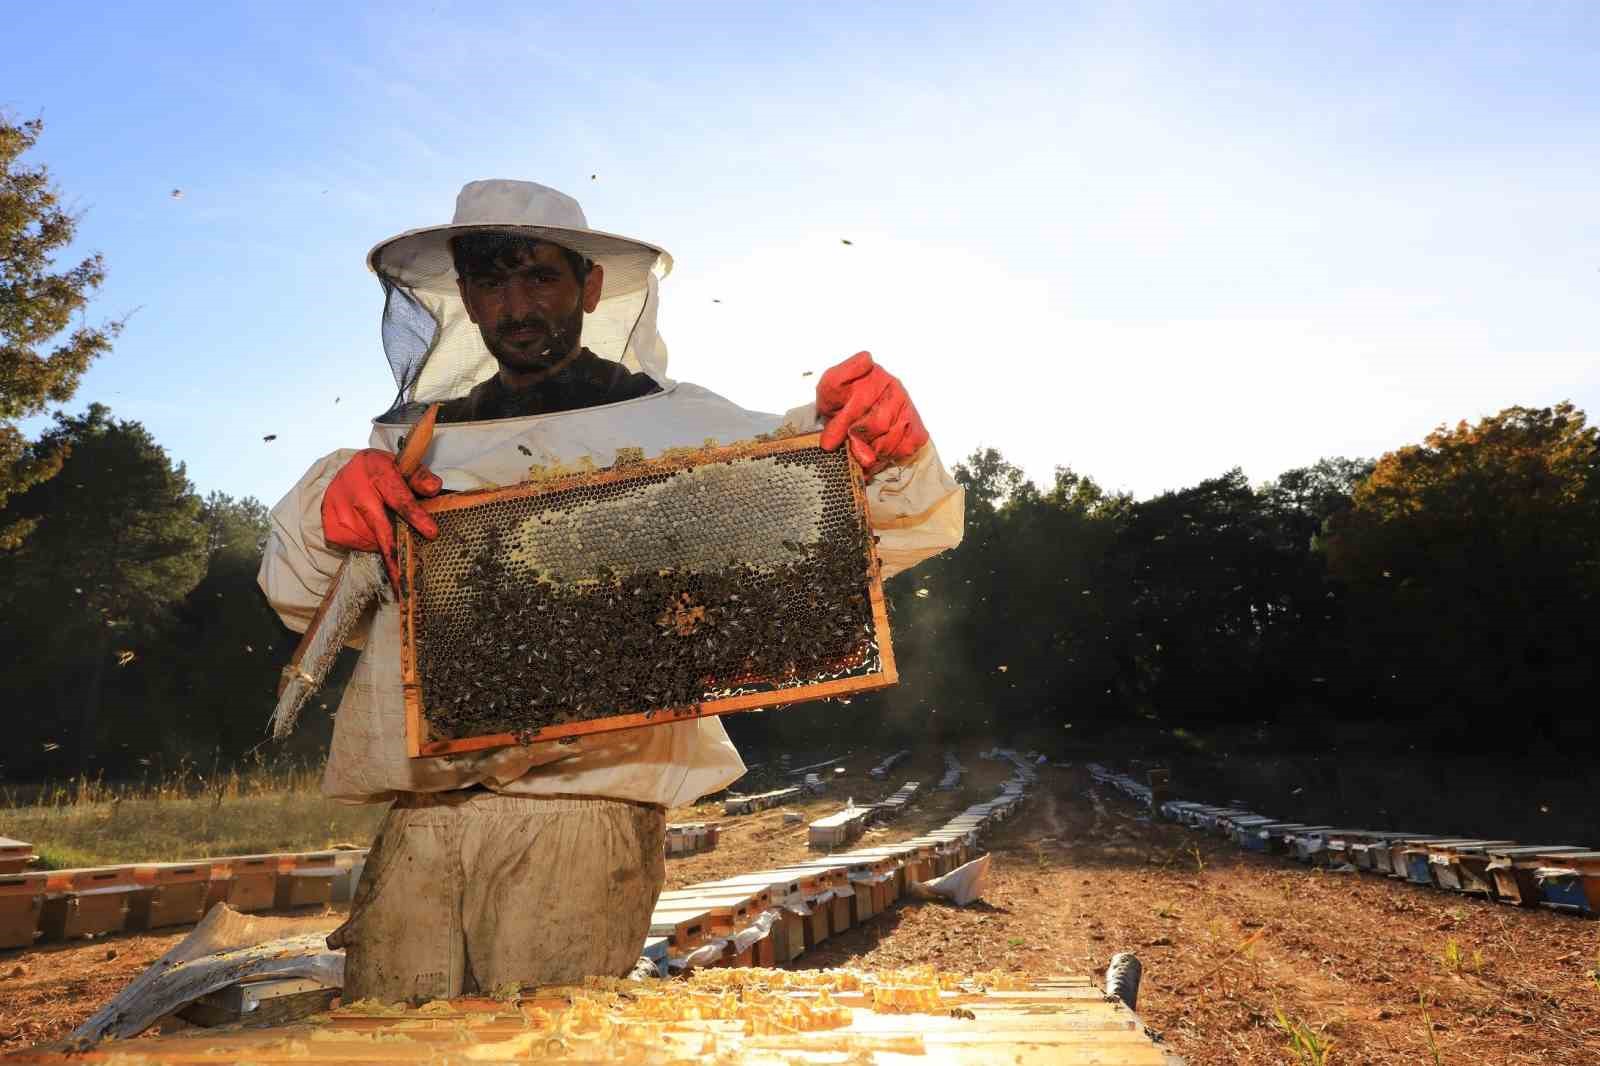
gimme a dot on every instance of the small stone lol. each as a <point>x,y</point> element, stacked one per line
<point>18,970</point>
<point>111,953</point>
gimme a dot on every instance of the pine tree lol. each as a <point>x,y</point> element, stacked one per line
<point>42,353</point>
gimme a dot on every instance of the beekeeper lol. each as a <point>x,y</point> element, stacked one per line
<point>537,863</point>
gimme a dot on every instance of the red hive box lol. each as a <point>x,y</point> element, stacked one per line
<point>306,879</point>
<point>175,894</point>
<point>88,901</point>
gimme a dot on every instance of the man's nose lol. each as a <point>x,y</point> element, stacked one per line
<point>520,300</point>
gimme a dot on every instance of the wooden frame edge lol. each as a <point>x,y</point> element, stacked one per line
<point>886,676</point>
<point>410,677</point>
<point>608,475</point>
<point>750,701</point>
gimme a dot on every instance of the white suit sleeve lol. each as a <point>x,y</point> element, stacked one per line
<point>297,565</point>
<point>917,510</point>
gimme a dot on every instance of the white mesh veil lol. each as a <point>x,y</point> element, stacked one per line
<point>433,348</point>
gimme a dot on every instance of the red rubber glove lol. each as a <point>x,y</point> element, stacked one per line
<point>864,402</point>
<point>355,509</point>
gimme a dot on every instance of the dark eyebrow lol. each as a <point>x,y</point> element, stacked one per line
<point>499,272</point>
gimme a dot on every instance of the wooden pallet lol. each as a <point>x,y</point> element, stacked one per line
<point>1058,1022</point>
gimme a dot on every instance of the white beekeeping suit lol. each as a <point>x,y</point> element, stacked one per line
<point>438,354</point>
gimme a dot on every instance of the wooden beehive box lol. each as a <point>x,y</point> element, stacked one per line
<point>21,903</point>
<point>833,902</point>
<point>1369,849</point>
<point>908,864</point>
<point>221,884</point>
<point>1570,880</point>
<point>684,926</point>
<point>1399,848</point>
<point>841,827</point>
<point>275,1001</point>
<point>873,872</point>
<point>175,894</point>
<point>87,902</point>
<point>1412,858</point>
<point>15,855</point>
<point>1512,870</point>
<point>306,879</point>
<point>727,910</point>
<point>784,893</point>
<point>844,909</point>
<point>930,862</point>
<point>796,932</point>
<point>252,881</point>
<point>724,580</point>
<point>1451,863</point>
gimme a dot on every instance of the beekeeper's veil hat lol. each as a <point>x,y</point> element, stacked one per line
<point>433,347</point>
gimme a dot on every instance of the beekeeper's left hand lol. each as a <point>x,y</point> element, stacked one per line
<point>863,402</point>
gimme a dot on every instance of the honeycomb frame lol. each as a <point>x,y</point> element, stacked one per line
<point>420,741</point>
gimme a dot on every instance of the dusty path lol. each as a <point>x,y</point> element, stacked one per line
<point>1227,940</point>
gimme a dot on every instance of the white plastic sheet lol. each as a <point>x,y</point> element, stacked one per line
<point>755,930</point>
<point>962,885</point>
<point>704,955</point>
<point>226,947</point>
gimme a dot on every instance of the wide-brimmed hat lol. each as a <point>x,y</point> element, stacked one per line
<point>420,258</point>
<point>433,347</point>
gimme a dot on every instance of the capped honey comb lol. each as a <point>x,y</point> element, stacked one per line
<point>705,582</point>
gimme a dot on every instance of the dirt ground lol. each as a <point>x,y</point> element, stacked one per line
<point>1228,941</point>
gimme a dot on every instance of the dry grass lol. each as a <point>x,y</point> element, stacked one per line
<point>182,815</point>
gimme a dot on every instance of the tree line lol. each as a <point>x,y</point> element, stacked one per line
<point>1440,598</point>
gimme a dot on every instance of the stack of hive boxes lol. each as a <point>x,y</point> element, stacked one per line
<point>772,916</point>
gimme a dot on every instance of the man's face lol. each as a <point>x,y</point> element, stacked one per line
<point>528,305</point>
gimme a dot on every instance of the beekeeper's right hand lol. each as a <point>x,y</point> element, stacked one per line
<point>355,509</point>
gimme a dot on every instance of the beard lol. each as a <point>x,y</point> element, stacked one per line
<point>534,342</point>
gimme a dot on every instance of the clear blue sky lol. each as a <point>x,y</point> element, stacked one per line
<point>1149,241</point>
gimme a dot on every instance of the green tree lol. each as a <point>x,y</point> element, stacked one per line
<point>118,541</point>
<point>42,355</point>
<point>1473,566</point>
<point>1009,633</point>
<point>1235,617</point>
<point>217,668</point>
